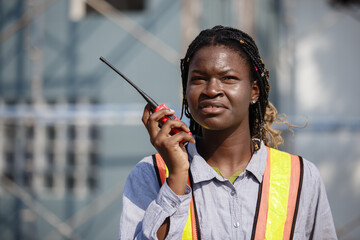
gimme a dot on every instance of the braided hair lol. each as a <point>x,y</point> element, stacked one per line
<point>261,114</point>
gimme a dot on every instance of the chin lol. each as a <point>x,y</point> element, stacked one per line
<point>221,124</point>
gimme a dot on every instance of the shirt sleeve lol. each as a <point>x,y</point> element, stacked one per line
<point>314,212</point>
<point>146,205</point>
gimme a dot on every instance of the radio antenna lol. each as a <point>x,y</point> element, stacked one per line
<point>151,101</point>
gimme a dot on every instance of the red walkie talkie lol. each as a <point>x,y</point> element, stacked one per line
<point>154,106</point>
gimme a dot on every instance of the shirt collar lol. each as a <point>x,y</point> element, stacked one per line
<point>257,163</point>
<point>201,171</point>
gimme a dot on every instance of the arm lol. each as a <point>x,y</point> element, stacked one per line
<point>172,150</point>
<point>146,207</point>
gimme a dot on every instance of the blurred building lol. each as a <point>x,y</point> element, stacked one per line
<point>70,128</point>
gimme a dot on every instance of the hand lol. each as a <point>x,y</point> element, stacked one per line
<point>170,147</point>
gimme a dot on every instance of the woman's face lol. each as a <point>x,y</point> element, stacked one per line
<point>219,90</point>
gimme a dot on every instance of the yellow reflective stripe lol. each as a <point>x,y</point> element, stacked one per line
<point>280,172</point>
<point>167,171</point>
<point>187,234</point>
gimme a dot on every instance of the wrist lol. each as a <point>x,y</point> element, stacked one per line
<point>178,182</point>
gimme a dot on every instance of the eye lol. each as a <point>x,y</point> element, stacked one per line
<point>230,79</point>
<point>197,79</point>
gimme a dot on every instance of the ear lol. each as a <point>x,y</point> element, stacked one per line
<point>255,92</point>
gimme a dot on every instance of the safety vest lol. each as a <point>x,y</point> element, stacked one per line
<point>278,197</point>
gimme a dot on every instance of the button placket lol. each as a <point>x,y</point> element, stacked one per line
<point>236,223</point>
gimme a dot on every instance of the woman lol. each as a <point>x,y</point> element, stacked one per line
<point>223,174</point>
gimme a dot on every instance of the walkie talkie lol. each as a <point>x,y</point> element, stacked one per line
<point>154,106</point>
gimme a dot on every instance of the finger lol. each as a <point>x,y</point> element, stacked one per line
<point>156,116</point>
<point>185,137</point>
<point>146,115</point>
<point>182,137</point>
<point>146,119</point>
<point>178,129</point>
<point>172,124</point>
<point>154,119</point>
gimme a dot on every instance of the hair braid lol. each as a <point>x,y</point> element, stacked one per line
<point>262,114</point>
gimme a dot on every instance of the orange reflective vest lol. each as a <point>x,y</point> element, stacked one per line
<point>278,198</point>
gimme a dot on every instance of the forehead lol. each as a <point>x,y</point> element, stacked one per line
<point>218,56</point>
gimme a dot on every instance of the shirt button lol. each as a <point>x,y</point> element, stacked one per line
<point>232,193</point>
<point>237,224</point>
<point>173,204</point>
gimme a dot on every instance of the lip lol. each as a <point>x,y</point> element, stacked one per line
<point>211,107</point>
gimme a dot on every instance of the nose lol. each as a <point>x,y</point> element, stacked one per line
<point>213,88</point>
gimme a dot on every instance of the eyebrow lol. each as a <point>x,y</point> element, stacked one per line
<point>220,73</point>
<point>197,71</point>
<point>227,71</point>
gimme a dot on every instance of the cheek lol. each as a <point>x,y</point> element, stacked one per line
<point>191,98</point>
<point>239,94</point>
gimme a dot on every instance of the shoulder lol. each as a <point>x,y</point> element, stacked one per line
<point>143,170</point>
<point>312,184</point>
<point>311,174</point>
<point>144,166</point>
<point>142,179</point>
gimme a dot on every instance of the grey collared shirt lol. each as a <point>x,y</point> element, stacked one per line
<point>225,210</point>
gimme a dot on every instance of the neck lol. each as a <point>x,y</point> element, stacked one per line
<point>229,151</point>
